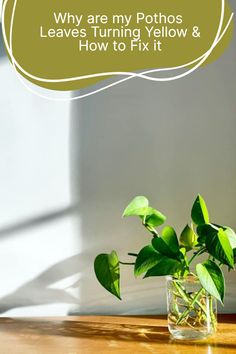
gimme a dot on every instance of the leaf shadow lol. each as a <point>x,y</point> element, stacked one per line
<point>38,291</point>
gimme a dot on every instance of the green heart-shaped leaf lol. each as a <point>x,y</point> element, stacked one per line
<point>212,279</point>
<point>147,258</point>
<point>229,232</point>
<point>188,238</point>
<point>138,206</point>
<point>206,231</point>
<point>231,236</point>
<point>167,244</point>
<point>219,247</point>
<point>153,217</point>
<point>166,266</point>
<point>107,270</point>
<point>199,212</point>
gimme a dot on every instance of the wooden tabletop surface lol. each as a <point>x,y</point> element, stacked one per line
<point>107,334</point>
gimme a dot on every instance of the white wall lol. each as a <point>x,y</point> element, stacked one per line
<point>36,233</point>
<point>168,141</point>
<point>67,175</point>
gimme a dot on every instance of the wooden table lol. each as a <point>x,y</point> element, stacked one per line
<point>107,334</point>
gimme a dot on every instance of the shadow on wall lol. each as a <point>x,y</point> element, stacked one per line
<point>37,291</point>
<point>36,221</point>
<point>39,288</point>
<point>2,49</point>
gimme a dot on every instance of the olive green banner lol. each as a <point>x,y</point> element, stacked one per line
<point>71,44</point>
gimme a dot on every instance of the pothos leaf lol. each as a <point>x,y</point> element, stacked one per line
<point>147,258</point>
<point>219,247</point>
<point>166,266</point>
<point>231,236</point>
<point>107,270</point>
<point>212,279</point>
<point>167,244</point>
<point>199,211</point>
<point>138,206</point>
<point>153,217</point>
<point>206,231</point>
<point>188,238</point>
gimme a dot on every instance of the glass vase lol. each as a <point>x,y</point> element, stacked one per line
<point>192,312</point>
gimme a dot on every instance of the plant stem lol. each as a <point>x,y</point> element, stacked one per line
<point>133,254</point>
<point>212,315</point>
<point>181,291</point>
<point>126,263</point>
<point>152,230</point>
<point>190,307</point>
<point>200,251</point>
<point>186,297</point>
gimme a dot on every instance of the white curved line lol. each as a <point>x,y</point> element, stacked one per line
<point>140,75</point>
<point>130,74</point>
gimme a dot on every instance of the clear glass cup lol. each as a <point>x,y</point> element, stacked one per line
<point>192,312</point>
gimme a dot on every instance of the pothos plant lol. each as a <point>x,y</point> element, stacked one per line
<point>167,254</point>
